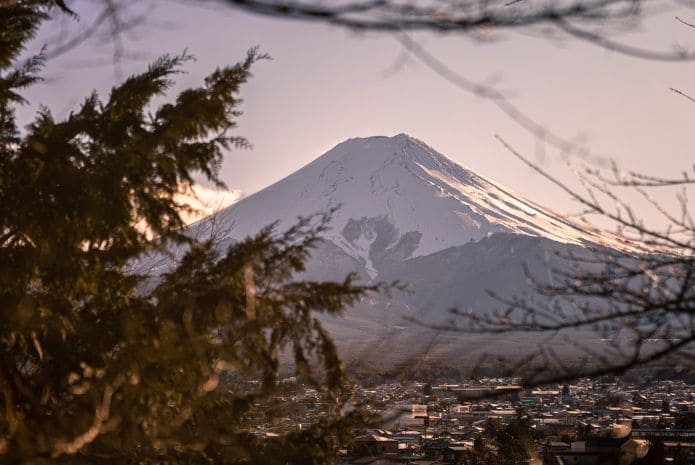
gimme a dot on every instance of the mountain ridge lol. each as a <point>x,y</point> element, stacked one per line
<point>398,192</point>
<point>410,214</point>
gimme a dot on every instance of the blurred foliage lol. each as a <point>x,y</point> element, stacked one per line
<point>502,444</point>
<point>101,363</point>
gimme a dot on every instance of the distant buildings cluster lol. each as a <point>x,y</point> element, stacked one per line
<point>589,422</point>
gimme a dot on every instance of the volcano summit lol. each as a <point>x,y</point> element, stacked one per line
<point>398,193</point>
<point>408,213</point>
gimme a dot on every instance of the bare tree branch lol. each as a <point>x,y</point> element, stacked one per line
<point>521,118</point>
<point>680,92</point>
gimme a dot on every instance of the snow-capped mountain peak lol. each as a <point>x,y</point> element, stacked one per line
<point>397,195</point>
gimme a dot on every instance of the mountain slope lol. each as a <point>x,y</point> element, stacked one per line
<point>408,213</point>
<point>396,193</point>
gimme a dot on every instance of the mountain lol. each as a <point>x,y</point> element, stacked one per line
<point>407,212</point>
<point>397,194</point>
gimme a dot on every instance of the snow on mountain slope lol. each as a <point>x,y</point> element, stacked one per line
<point>396,193</point>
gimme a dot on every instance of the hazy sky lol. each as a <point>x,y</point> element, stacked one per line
<point>325,85</point>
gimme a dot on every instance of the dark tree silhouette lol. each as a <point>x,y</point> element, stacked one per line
<point>101,364</point>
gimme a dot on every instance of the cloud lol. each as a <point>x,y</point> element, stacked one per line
<point>206,201</point>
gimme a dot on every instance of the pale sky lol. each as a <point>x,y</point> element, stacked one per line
<point>326,84</point>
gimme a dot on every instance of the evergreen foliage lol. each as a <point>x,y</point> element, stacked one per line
<point>101,364</point>
<point>510,444</point>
